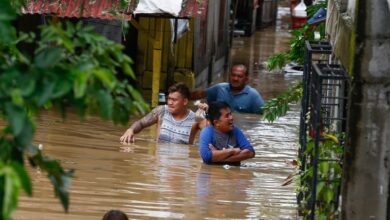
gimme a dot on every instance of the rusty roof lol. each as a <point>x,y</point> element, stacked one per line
<point>104,9</point>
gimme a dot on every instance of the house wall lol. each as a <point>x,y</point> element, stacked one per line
<point>211,42</point>
<point>360,33</point>
<point>199,58</point>
<point>176,61</point>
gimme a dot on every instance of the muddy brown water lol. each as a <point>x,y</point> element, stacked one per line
<point>148,180</point>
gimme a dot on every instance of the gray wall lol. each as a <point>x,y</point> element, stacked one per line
<point>360,31</point>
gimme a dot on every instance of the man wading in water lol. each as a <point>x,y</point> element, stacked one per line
<point>222,142</point>
<point>175,122</point>
<point>240,96</point>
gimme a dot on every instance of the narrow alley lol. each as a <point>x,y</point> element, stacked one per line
<point>154,181</point>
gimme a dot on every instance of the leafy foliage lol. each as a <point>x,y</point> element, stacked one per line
<point>71,67</point>
<point>329,176</point>
<point>330,145</point>
<point>297,42</point>
<point>279,106</point>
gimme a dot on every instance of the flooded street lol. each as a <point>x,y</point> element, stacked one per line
<point>147,180</point>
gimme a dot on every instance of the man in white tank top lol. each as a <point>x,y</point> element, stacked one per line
<point>176,123</point>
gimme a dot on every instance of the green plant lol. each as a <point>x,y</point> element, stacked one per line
<point>297,42</point>
<point>72,67</point>
<point>279,106</point>
<point>328,176</point>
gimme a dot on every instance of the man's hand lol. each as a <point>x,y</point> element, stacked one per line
<point>203,106</point>
<point>127,137</point>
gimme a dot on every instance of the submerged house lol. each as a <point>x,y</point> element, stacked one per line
<point>169,41</point>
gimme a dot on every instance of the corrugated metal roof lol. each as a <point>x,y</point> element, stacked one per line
<point>103,9</point>
<point>194,8</point>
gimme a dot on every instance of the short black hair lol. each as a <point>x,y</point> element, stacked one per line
<point>115,215</point>
<point>180,88</point>
<point>214,111</point>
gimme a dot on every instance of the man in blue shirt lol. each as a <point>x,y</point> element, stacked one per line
<point>223,142</point>
<point>240,96</point>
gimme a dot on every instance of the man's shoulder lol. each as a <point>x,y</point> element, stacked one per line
<point>159,110</point>
<point>220,85</point>
<point>252,91</point>
<point>219,88</point>
<point>236,130</point>
<point>207,130</point>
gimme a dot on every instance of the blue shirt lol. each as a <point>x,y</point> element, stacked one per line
<point>248,100</point>
<point>210,135</point>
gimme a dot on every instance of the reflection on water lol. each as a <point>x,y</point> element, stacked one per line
<point>147,180</point>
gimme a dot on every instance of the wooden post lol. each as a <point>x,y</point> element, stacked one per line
<point>157,51</point>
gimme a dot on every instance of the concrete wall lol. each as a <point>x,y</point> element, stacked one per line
<point>365,191</point>
<point>339,29</point>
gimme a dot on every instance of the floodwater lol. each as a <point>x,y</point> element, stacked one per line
<point>147,180</point>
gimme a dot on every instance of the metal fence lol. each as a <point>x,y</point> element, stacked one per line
<point>323,113</point>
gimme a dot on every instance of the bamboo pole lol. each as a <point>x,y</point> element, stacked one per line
<point>157,52</point>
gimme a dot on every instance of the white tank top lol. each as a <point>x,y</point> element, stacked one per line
<point>176,131</point>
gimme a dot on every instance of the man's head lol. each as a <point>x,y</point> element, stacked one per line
<point>178,96</point>
<point>238,77</point>
<point>220,116</point>
<point>115,215</point>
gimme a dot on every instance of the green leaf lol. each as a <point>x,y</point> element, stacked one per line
<point>135,93</point>
<point>128,70</point>
<point>106,104</point>
<point>17,98</point>
<point>26,135</point>
<point>321,216</point>
<point>320,187</point>
<point>80,83</point>
<point>16,117</point>
<point>106,77</point>
<point>6,149</point>
<point>44,92</point>
<point>23,177</point>
<point>61,185</point>
<point>7,13</point>
<point>27,85</point>
<point>58,177</point>
<point>11,190</point>
<point>324,168</point>
<point>8,33</point>
<point>49,57</point>
<point>328,195</point>
<point>61,88</point>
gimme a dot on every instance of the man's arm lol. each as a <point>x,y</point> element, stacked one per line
<point>196,126</point>
<point>199,123</point>
<point>224,155</point>
<point>136,127</point>
<point>242,155</point>
<point>257,102</point>
<point>245,150</point>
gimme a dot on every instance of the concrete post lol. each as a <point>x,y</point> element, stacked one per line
<point>365,192</point>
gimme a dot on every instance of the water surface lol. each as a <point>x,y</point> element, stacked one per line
<point>147,180</point>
